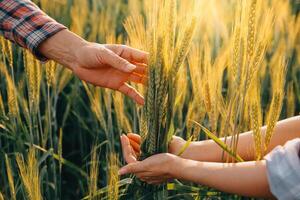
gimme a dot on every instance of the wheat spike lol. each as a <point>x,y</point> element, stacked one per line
<point>171,27</point>
<point>207,97</point>
<point>3,47</point>
<point>38,79</point>
<point>278,82</point>
<point>10,55</point>
<point>29,174</point>
<point>10,178</point>
<point>251,29</point>
<point>113,177</point>
<point>94,173</point>
<point>274,113</point>
<point>255,112</point>
<point>12,102</point>
<point>241,69</point>
<point>257,59</point>
<point>236,51</point>
<point>183,47</point>
<point>144,128</point>
<point>30,70</point>
<point>13,110</point>
<point>33,71</point>
<point>50,72</point>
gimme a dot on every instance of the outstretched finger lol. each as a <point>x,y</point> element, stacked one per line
<point>129,53</point>
<point>132,93</point>
<point>110,58</point>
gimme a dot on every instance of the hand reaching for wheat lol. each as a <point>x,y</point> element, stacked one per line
<point>108,66</point>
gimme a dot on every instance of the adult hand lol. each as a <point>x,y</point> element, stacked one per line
<point>108,66</point>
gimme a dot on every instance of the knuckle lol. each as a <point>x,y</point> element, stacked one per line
<point>122,46</point>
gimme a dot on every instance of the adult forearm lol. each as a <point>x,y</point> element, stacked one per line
<point>25,24</point>
<point>62,48</point>
<point>247,179</point>
<point>209,151</point>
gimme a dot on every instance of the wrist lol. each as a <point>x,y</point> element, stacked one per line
<point>62,48</point>
<point>175,166</point>
<point>176,145</point>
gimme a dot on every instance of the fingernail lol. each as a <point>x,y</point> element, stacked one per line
<point>122,171</point>
<point>130,67</point>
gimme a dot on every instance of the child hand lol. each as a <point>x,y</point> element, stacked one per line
<point>176,144</point>
<point>156,169</point>
<point>131,144</point>
<point>131,147</point>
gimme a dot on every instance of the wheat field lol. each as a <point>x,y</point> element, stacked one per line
<point>216,69</point>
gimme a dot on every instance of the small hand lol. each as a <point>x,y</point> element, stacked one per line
<point>153,170</point>
<point>131,150</point>
<point>130,147</point>
<point>131,144</point>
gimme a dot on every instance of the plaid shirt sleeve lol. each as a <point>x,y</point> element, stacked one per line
<point>283,170</point>
<point>22,22</point>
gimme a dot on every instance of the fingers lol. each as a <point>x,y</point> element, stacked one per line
<point>135,141</point>
<point>140,69</point>
<point>129,53</point>
<point>110,58</point>
<point>135,146</point>
<point>127,150</point>
<point>132,168</point>
<point>132,93</point>
<point>137,138</point>
<point>137,78</point>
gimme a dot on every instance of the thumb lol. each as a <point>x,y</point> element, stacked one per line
<point>110,58</point>
<point>127,150</point>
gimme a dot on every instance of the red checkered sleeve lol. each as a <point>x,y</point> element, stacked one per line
<point>22,22</point>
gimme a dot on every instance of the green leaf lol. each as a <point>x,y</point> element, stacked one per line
<point>186,145</point>
<point>220,142</point>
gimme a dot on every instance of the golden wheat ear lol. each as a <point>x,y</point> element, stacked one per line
<point>94,173</point>
<point>29,173</point>
<point>10,178</point>
<point>113,177</point>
